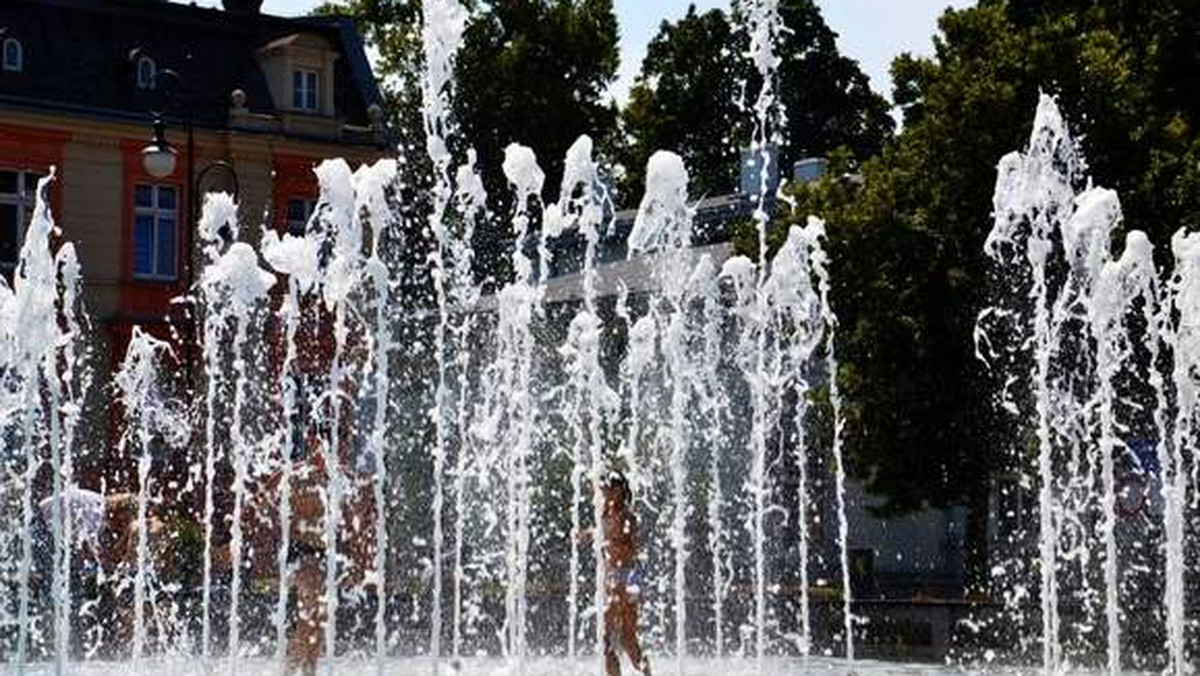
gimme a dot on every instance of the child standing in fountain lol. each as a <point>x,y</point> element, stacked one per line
<point>619,530</point>
<point>307,556</point>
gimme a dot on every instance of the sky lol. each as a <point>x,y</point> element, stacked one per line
<point>871,31</point>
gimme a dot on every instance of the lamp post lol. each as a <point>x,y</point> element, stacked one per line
<point>160,159</point>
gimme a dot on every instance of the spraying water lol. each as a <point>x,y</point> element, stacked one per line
<point>664,228</point>
<point>463,295</point>
<point>297,258</point>
<point>150,420</point>
<point>235,283</point>
<point>1094,325</point>
<point>715,375</point>
<point>519,302</point>
<point>442,33</point>
<point>582,206</point>
<point>1182,294</point>
<point>1035,190</point>
<point>35,352</point>
<point>371,200</point>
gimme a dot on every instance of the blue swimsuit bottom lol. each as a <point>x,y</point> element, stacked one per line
<point>628,580</point>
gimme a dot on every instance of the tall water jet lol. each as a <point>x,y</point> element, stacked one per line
<point>1034,192</point>
<point>765,26</point>
<point>586,407</point>
<point>582,206</point>
<point>212,314</point>
<point>1183,299</point>
<point>712,405</point>
<point>329,260</point>
<point>442,32</point>
<point>1096,329</point>
<point>235,283</point>
<point>739,275</point>
<point>150,419</point>
<point>1124,283</point>
<point>637,392</point>
<point>663,228</point>
<point>371,205</point>
<point>75,384</point>
<point>519,302</point>
<point>298,259</point>
<point>34,352</point>
<point>798,290</point>
<point>463,295</point>
<point>799,326</point>
<point>341,280</point>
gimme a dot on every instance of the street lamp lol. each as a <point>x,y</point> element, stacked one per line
<point>160,160</point>
<point>159,157</point>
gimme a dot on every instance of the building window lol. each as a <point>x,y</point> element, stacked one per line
<point>147,73</point>
<point>299,210</point>
<point>18,193</point>
<point>304,90</point>
<point>14,56</point>
<point>155,226</point>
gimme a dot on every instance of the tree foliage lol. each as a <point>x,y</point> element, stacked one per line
<point>827,98</point>
<point>691,97</point>
<point>906,235</point>
<point>534,72</point>
<point>687,99</point>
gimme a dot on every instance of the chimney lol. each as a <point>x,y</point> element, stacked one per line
<point>242,6</point>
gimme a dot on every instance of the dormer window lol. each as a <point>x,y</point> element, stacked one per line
<point>14,56</point>
<point>305,93</point>
<point>300,74</point>
<point>147,72</point>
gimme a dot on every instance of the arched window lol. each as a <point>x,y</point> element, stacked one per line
<point>147,72</point>
<point>14,56</point>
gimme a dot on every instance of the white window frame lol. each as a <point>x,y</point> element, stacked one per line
<point>294,226</point>
<point>25,201</point>
<point>147,73</point>
<point>17,64</point>
<point>155,212</point>
<point>302,90</point>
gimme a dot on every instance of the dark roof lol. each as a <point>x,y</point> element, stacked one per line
<point>77,57</point>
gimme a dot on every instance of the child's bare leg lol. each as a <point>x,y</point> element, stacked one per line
<point>629,636</point>
<point>612,620</point>
<point>304,646</point>
<point>612,662</point>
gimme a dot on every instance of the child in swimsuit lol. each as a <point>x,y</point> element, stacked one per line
<point>623,577</point>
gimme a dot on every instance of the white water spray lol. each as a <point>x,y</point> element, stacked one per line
<point>442,32</point>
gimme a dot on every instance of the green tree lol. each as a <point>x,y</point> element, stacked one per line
<point>687,99</point>
<point>536,72</point>
<point>690,98</point>
<point>827,98</point>
<point>906,234</point>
